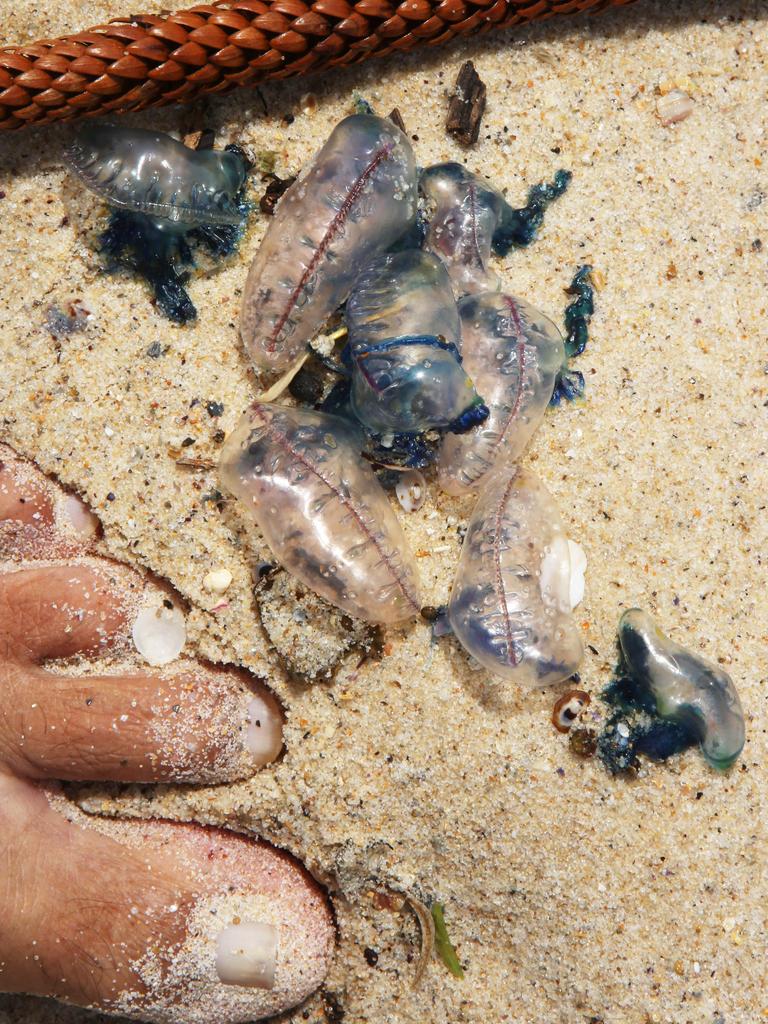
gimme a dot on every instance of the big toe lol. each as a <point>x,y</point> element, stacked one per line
<point>162,922</point>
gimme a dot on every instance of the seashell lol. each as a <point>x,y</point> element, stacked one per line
<point>513,353</point>
<point>411,491</point>
<point>510,603</point>
<point>154,174</point>
<point>354,200</point>
<point>687,688</point>
<point>578,570</point>
<point>568,708</point>
<point>217,580</point>
<point>160,633</point>
<point>674,106</point>
<point>321,510</point>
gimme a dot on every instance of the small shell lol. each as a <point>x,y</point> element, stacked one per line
<point>583,741</point>
<point>674,106</point>
<point>308,103</point>
<point>578,570</point>
<point>321,510</point>
<point>217,581</point>
<point>686,687</point>
<point>510,602</point>
<point>152,173</point>
<point>567,709</point>
<point>159,634</point>
<point>411,491</point>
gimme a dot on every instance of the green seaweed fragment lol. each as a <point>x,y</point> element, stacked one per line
<point>443,944</point>
<point>266,161</point>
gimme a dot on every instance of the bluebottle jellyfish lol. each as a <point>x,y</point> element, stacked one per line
<point>403,327</point>
<point>414,384</point>
<point>321,510</point>
<point>515,587</point>
<point>684,689</point>
<point>351,203</point>
<point>401,294</point>
<point>469,219</point>
<point>513,354</point>
<point>152,173</point>
<point>163,195</point>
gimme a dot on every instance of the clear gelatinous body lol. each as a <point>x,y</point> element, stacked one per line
<point>411,385</point>
<point>356,198</point>
<point>687,688</point>
<point>398,295</point>
<point>510,605</point>
<point>513,353</point>
<point>321,510</point>
<point>467,211</point>
<point>154,174</point>
<point>403,336</point>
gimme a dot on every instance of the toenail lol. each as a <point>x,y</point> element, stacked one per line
<point>160,633</point>
<point>264,736</point>
<point>246,954</point>
<point>78,517</point>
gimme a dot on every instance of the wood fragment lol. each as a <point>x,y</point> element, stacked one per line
<point>202,139</point>
<point>397,118</point>
<point>193,463</point>
<point>467,106</point>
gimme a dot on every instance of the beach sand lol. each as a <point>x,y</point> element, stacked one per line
<point>571,896</point>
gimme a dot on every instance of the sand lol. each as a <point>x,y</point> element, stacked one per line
<point>571,896</point>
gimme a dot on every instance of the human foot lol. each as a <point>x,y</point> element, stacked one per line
<point>154,920</point>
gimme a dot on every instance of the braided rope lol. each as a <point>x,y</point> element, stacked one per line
<point>148,60</point>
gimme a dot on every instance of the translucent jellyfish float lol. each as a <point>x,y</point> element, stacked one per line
<point>321,510</point>
<point>513,354</point>
<point>401,294</point>
<point>152,173</point>
<point>686,688</point>
<point>469,219</point>
<point>515,586</point>
<point>161,191</point>
<point>351,203</point>
<point>404,330</point>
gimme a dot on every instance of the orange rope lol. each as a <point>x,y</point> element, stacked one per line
<point>148,60</point>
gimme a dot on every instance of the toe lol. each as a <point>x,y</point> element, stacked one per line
<point>195,725</point>
<point>188,723</point>
<point>157,921</point>
<point>61,611</point>
<point>38,519</point>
